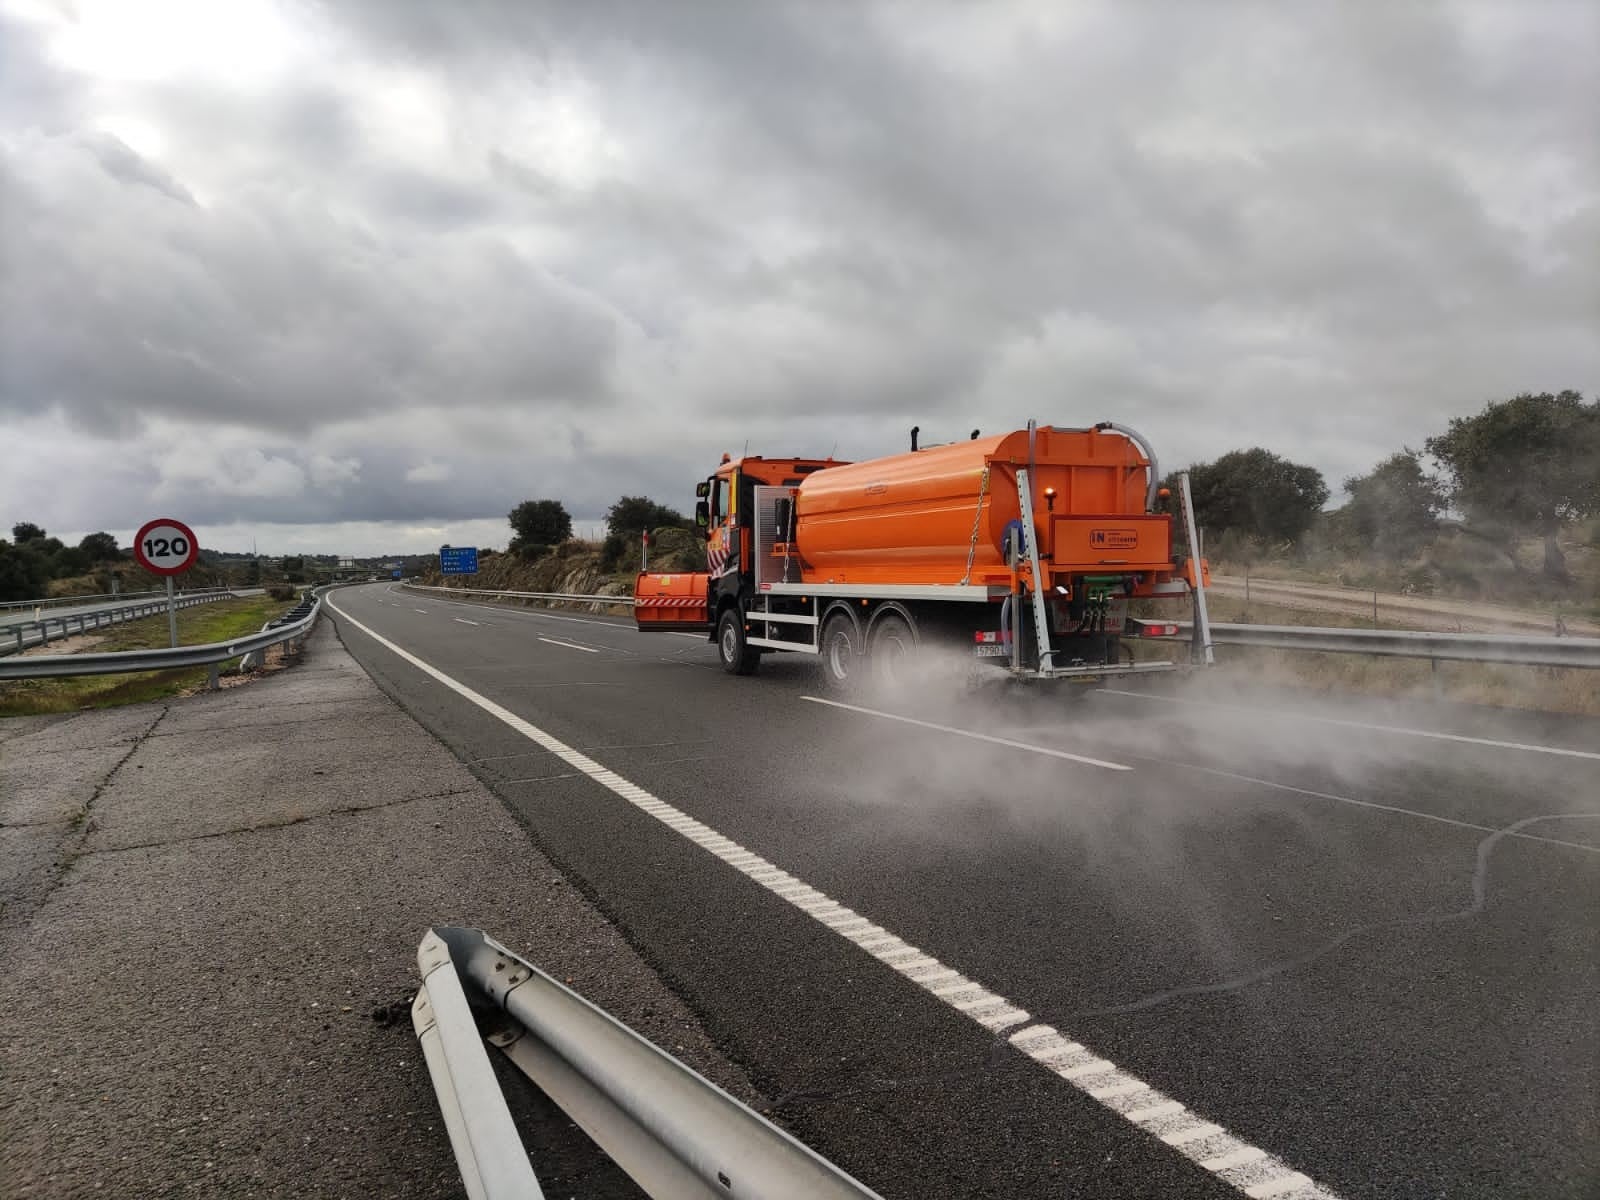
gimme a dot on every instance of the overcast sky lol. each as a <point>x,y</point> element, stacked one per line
<point>361,275</point>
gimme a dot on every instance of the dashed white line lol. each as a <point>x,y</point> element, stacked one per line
<point>464,621</point>
<point>1396,729</point>
<point>967,733</point>
<point>420,610</point>
<point>569,645</point>
<point>1043,1044</point>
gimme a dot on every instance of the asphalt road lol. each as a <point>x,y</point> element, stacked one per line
<point>1228,942</point>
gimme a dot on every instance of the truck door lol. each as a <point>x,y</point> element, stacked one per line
<point>722,547</point>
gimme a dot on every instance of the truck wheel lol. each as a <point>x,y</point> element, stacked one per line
<point>892,648</point>
<point>737,655</point>
<point>842,661</point>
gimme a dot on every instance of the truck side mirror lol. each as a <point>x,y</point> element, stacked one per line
<point>703,489</point>
<point>702,513</point>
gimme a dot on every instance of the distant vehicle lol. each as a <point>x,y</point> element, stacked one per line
<point>862,563</point>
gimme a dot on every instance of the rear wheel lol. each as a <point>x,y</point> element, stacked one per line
<point>733,646</point>
<point>842,660</point>
<point>892,649</point>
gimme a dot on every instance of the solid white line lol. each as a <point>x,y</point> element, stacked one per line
<point>1396,729</point>
<point>1024,1039</point>
<point>570,645</point>
<point>967,733</point>
<point>464,621</point>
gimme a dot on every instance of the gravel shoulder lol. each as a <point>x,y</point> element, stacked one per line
<point>205,903</point>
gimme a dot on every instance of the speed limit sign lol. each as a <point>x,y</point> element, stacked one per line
<point>165,547</point>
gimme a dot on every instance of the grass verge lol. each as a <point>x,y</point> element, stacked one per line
<point>196,626</point>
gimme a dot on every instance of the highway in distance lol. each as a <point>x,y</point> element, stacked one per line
<point>1165,941</point>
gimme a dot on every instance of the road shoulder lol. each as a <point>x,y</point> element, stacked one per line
<point>207,899</point>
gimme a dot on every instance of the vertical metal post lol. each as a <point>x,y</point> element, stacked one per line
<point>1374,608</point>
<point>644,551</point>
<point>212,683</point>
<point>1030,542</point>
<point>172,613</point>
<point>1247,593</point>
<point>1014,541</point>
<point>1202,619</point>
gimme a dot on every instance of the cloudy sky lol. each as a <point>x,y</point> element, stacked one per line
<point>360,275</point>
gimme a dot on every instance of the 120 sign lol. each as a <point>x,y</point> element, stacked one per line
<point>165,546</point>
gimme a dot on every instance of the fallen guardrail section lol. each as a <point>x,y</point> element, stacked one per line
<point>292,628</point>
<point>675,1134</point>
<point>1519,649</point>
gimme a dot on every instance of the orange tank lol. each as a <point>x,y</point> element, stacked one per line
<point>908,519</point>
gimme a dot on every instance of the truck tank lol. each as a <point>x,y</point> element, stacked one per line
<point>909,519</point>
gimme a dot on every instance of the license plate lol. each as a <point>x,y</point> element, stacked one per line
<point>991,650</point>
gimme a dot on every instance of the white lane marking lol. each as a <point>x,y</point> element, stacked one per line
<point>967,733</point>
<point>1042,1043</point>
<point>570,645</point>
<point>550,616</point>
<point>420,610</point>
<point>1237,1158</point>
<point>1398,729</point>
<point>464,621</point>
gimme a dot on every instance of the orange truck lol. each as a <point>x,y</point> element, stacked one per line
<point>864,564</point>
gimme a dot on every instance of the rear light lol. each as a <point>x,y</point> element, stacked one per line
<point>987,636</point>
<point>1152,629</point>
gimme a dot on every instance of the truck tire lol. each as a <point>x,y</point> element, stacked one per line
<point>891,649</point>
<point>843,663</point>
<point>737,655</point>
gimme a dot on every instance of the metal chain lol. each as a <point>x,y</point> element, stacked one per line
<point>977,520</point>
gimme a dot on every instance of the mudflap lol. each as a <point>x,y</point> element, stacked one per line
<point>672,602</point>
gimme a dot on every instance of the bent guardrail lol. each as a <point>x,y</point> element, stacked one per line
<point>675,1133</point>
<point>46,666</point>
<point>1517,649</point>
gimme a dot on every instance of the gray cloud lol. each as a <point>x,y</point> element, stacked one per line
<point>493,250</point>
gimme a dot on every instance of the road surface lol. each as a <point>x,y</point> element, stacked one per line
<point>1107,944</point>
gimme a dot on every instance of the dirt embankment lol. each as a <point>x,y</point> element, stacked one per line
<point>577,568</point>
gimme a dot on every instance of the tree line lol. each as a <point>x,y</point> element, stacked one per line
<point>32,558</point>
<point>1523,467</point>
<point>538,526</point>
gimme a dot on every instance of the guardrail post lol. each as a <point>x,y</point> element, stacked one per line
<point>212,682</point>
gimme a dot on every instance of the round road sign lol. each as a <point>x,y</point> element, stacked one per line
<point>165,546</point>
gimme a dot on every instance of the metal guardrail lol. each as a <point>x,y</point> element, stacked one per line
<point>549,597</point>
<point>63,601</point>
<point>672,1131</point>
<point>21,635</point>
<point>1519,649</point>
<point>291,628</point>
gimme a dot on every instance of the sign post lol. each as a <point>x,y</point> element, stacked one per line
<point>166,547</point>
